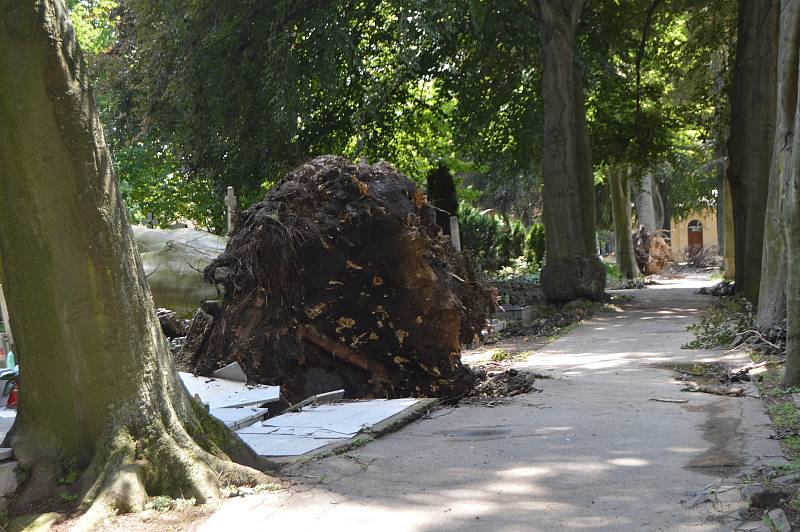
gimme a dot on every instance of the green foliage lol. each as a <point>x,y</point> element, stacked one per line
<point>535,244</point>
<point>161,503</point>
<point>153,182</point>
<point>721,324</point>
<point>196,98</point>
<point>22,473</point>
<point>69,471</point>
<point>95,23</point>
<point>500,355</point>
<point>785,415</point>
<point>519,269</point>
<point>67,497</point>
<point>496,244</point>
<point>612,271</point>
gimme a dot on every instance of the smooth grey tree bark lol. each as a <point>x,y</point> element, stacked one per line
<point>99,385</point>
<point>649,208</point>
<point>619,181</point>
<point>785,176</point>
<point>572,269</point>
<point>751,135</point>
<point>773,290</point>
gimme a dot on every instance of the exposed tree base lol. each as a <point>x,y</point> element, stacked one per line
<point>341,278</point>
<point>569,279</point>
<point>144,459</point>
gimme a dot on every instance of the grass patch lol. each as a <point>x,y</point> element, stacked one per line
<point>785,415</point>
<point>501,355</point>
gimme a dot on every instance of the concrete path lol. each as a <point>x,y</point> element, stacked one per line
<point>590,452</point>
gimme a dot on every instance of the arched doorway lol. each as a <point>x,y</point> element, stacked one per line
<point>695,238</point>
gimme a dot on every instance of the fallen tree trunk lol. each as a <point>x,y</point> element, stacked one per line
<point>341,278</point>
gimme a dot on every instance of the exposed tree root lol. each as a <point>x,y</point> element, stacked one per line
<point>179,452</point>
<point>157,462</point>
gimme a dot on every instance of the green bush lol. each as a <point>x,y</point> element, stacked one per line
<point>612,271</point>
<point>496,245</point>
<point>534,244</point>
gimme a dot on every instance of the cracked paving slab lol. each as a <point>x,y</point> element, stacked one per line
<point>590,452</point>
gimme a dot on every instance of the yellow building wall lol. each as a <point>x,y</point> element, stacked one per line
<point>680,232</point>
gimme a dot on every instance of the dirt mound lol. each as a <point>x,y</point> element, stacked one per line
<point>651,251</point>
<point>341,278</point>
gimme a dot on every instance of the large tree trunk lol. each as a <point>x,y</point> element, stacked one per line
<point>621,210</point>
<point>649,209</point>
<point>752,132</point>
<point>773,292</point>
<point>730,244</point>
<point>572,269</point>
<point>786,171</point>
<point>99,385</point>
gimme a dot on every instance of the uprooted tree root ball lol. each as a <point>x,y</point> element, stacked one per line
<point>341,278</point>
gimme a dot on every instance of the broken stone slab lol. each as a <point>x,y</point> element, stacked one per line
<point>327,397</point>
<point>322,428</point>
<point>761,496</point>
<point>237,418</point>
<point>232,372</point>
<point>779,520</point>
<point>223,393</point>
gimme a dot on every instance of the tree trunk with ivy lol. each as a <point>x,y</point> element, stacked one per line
<point>572,269</point>
<point>99,387</point>
<point>751,136</point>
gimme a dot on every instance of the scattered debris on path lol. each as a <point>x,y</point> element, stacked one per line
<point>494,386</point>
<point>545,320</point>
<point>723,288</point>
<point>735,391</point>
<point>712,378</point>
<point>341,278</point>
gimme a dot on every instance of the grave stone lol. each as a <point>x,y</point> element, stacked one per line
<point>455,234</point>
<point>230,204</point>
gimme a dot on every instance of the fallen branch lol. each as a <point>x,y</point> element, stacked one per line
<point>730,392</point>
<point>756,334</point>
<point>660,400</point>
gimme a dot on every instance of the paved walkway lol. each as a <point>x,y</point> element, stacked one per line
<point>590,452</point>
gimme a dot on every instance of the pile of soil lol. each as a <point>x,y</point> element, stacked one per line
<point>341,278</point>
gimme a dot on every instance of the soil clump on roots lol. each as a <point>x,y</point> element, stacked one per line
<point>341,278</point>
